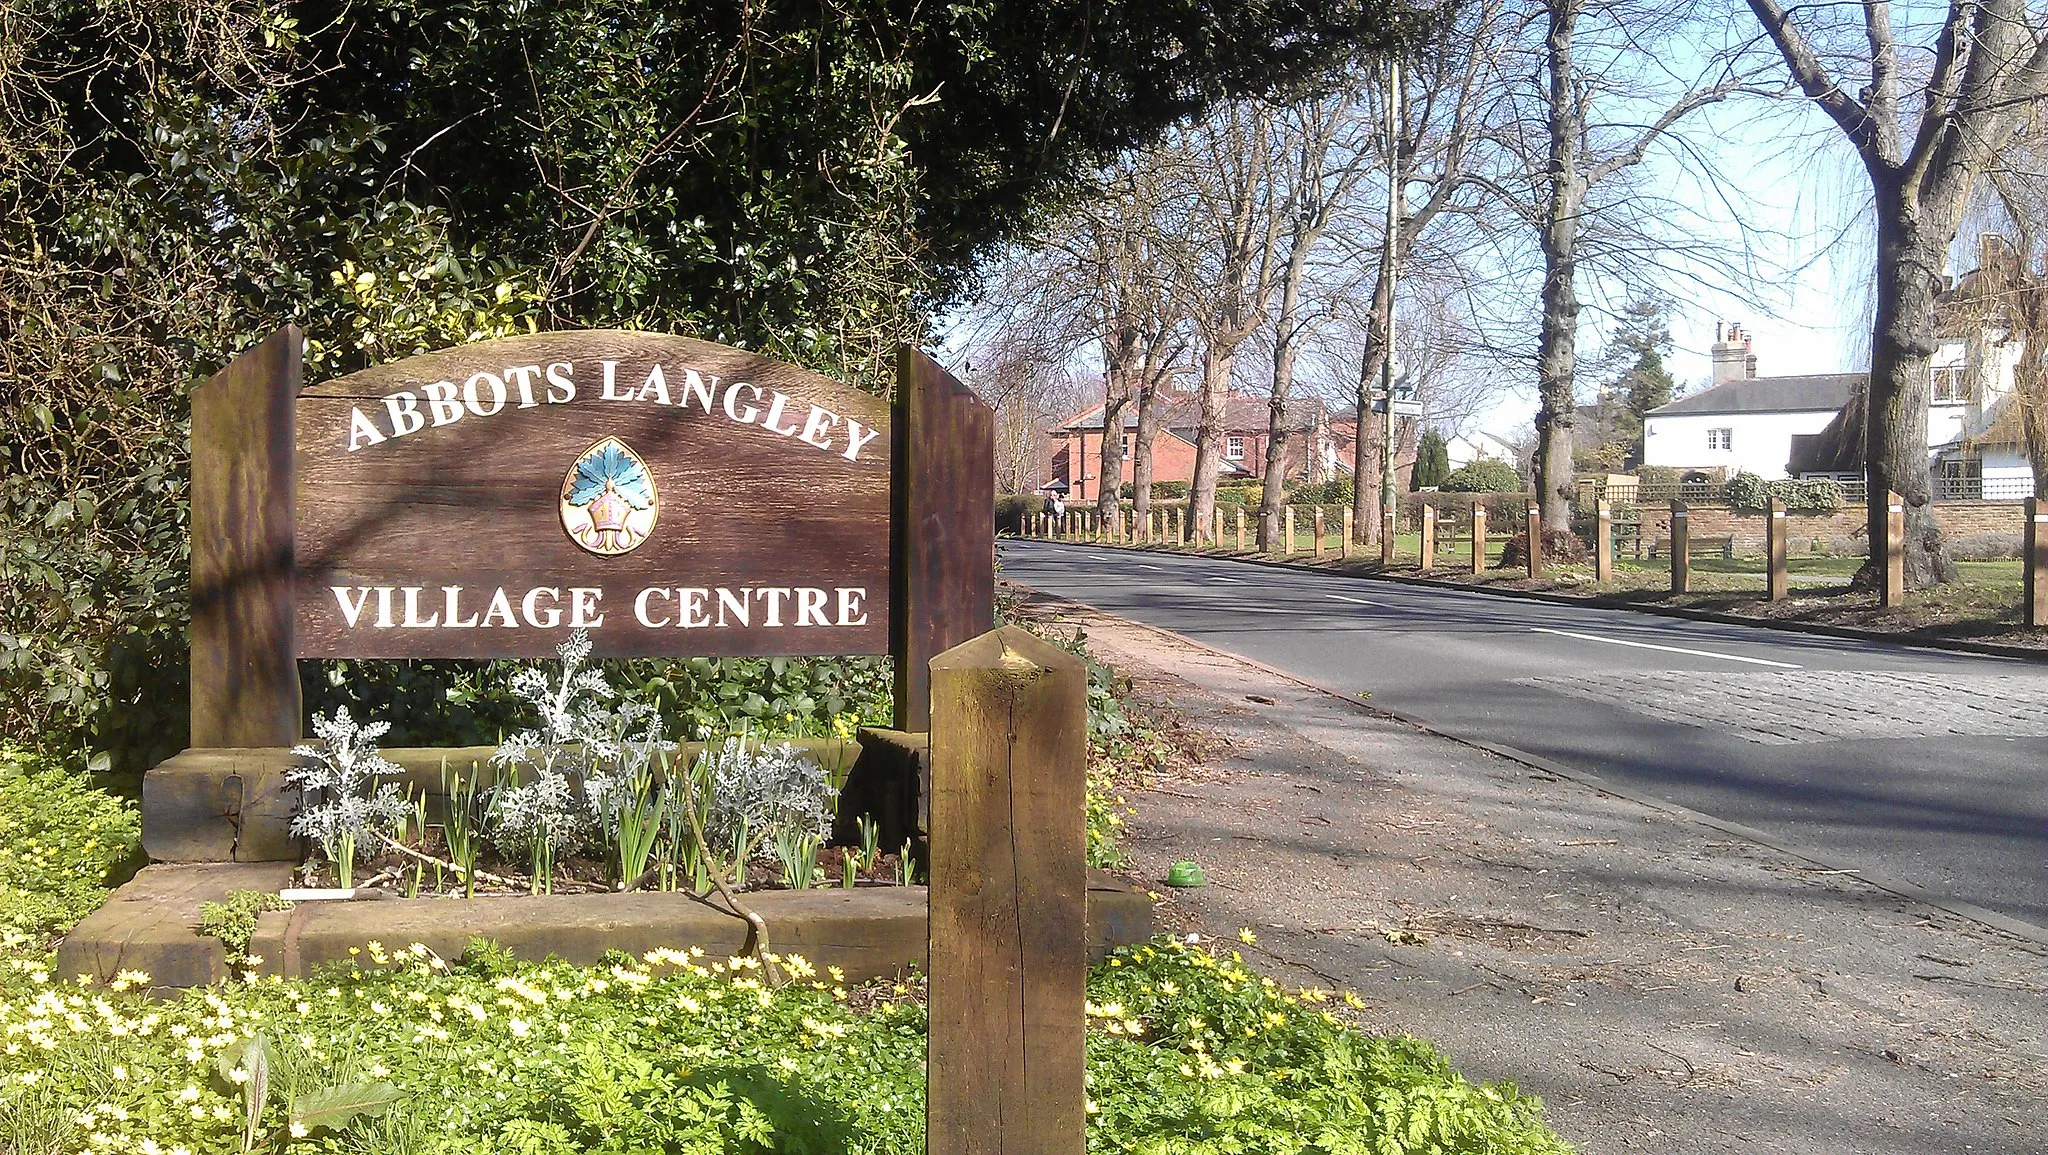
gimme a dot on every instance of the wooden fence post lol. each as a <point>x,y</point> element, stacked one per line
<point>1319,531</point>
<point>1286,529</point>
<point>1776,582</point>
<point>1344,547</point>
<point>1478,538</point>
<point>1894,555</point>
<point>1005,1042</point>
<point>1603,542</point>
<point>1681,549</point>
<point>2037,564</point>
<point>1216,526</point>
<point>1427,561</point>
<point>1387,538</point>
<point>245,669</point>
<point>1534,532</point>
<point>1240,529</point>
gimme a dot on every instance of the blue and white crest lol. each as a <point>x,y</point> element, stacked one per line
<point>609,503</point>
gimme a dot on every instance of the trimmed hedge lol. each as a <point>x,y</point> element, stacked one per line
<point>1817,495</point>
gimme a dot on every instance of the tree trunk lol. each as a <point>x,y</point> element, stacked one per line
<point>1284,352</point>
<point>1557,342</point>
<point>1141,453</point>
<point>1210,436</point>
<point>1116,384</point>
<point>1903,343</point>
<point>1367,435</point>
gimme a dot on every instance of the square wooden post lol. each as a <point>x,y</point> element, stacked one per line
<point>1344,547</point>
<point>1005,1045</point>
<point>1387,538</point>
<point>1240,529</point>
<point>1603,542</point>
<point>2036,562</point>
<point>1427,561</point>
<point>1286,530</point>
<point>1319,531</point>
<point>245,668</point>
<point>1681,549</point>
<point>1535,532</point>
<point>1216,526</point>
<point>1893,593</point>
<point>1478,538</point>
<point>942,581</point>
<point>1776,582</point>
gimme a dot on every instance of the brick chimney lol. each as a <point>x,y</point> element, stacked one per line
<point>1732,357</point>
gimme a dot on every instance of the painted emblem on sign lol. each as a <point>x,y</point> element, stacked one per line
<point>608,500</point>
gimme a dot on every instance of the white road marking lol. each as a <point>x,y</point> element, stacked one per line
<point>1361,601</point>
<point>1666,649</point>
<point>1142,565</point>
<point>1232,581</point>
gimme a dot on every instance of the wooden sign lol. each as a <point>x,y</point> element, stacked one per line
<point>669,496</point>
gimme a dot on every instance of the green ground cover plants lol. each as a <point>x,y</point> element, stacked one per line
<point>676,1052</point>
<point>62,841</point>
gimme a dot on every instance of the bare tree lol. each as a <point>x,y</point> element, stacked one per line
<point>1451,97</point>
<point>1592,135</point>
<point>1988,67</point>
<point>1326,147</point>
<point>1231,271</point>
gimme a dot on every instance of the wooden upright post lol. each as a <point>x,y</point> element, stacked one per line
<point>1344,547</point>
<point>1777,583</point>
<point>1478,538</point>
<point>942,581</point>
<point>1603,542</point>
<point>1240,529</point>
<point>1216,526</point>
<point>1387,538</point>
<point>1005,1041</point>
<point>1893,593</point>
<point>1319,531</point>
<point>245,668</point>
<point>1535,531</point>
<point>1681,549</point>
<point>1286,529</point>
<point>1427,561</point>
<point>2036,562</point>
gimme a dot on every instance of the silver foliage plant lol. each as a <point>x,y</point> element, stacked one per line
<point>758,792</point>
<point>338,777</point>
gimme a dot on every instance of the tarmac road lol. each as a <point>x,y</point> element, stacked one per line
<point>1917,766</point>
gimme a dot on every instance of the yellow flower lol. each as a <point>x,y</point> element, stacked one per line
<point>1245,935</point>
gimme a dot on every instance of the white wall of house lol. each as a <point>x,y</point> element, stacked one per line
<point>1464,449</point>
<point>2007,476</point>
<point>1759,443</point>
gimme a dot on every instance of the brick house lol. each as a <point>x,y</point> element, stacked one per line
<point>1077,443</point>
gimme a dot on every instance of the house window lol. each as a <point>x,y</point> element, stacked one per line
<point>1233,448</point>
<point>1951,385</point>
<point>1720,439</point>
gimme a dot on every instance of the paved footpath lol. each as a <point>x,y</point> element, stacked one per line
<point>1925,768</point>
<point>1662,985</point>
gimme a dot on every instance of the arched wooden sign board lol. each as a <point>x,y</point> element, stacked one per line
<point>671,496</point>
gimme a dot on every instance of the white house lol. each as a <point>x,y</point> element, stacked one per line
<point>1808,426</point>
<point>1465,448</point>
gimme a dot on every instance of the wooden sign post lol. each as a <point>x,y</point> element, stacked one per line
<point>1777,584</point>
<point>1535,535</point>
<point>1427,562</point>
<point>1892,593</point>
<point>1478,539</point>
<point>1005,1045</point>
<point>1603,542</point>
<point>1681,549</point>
